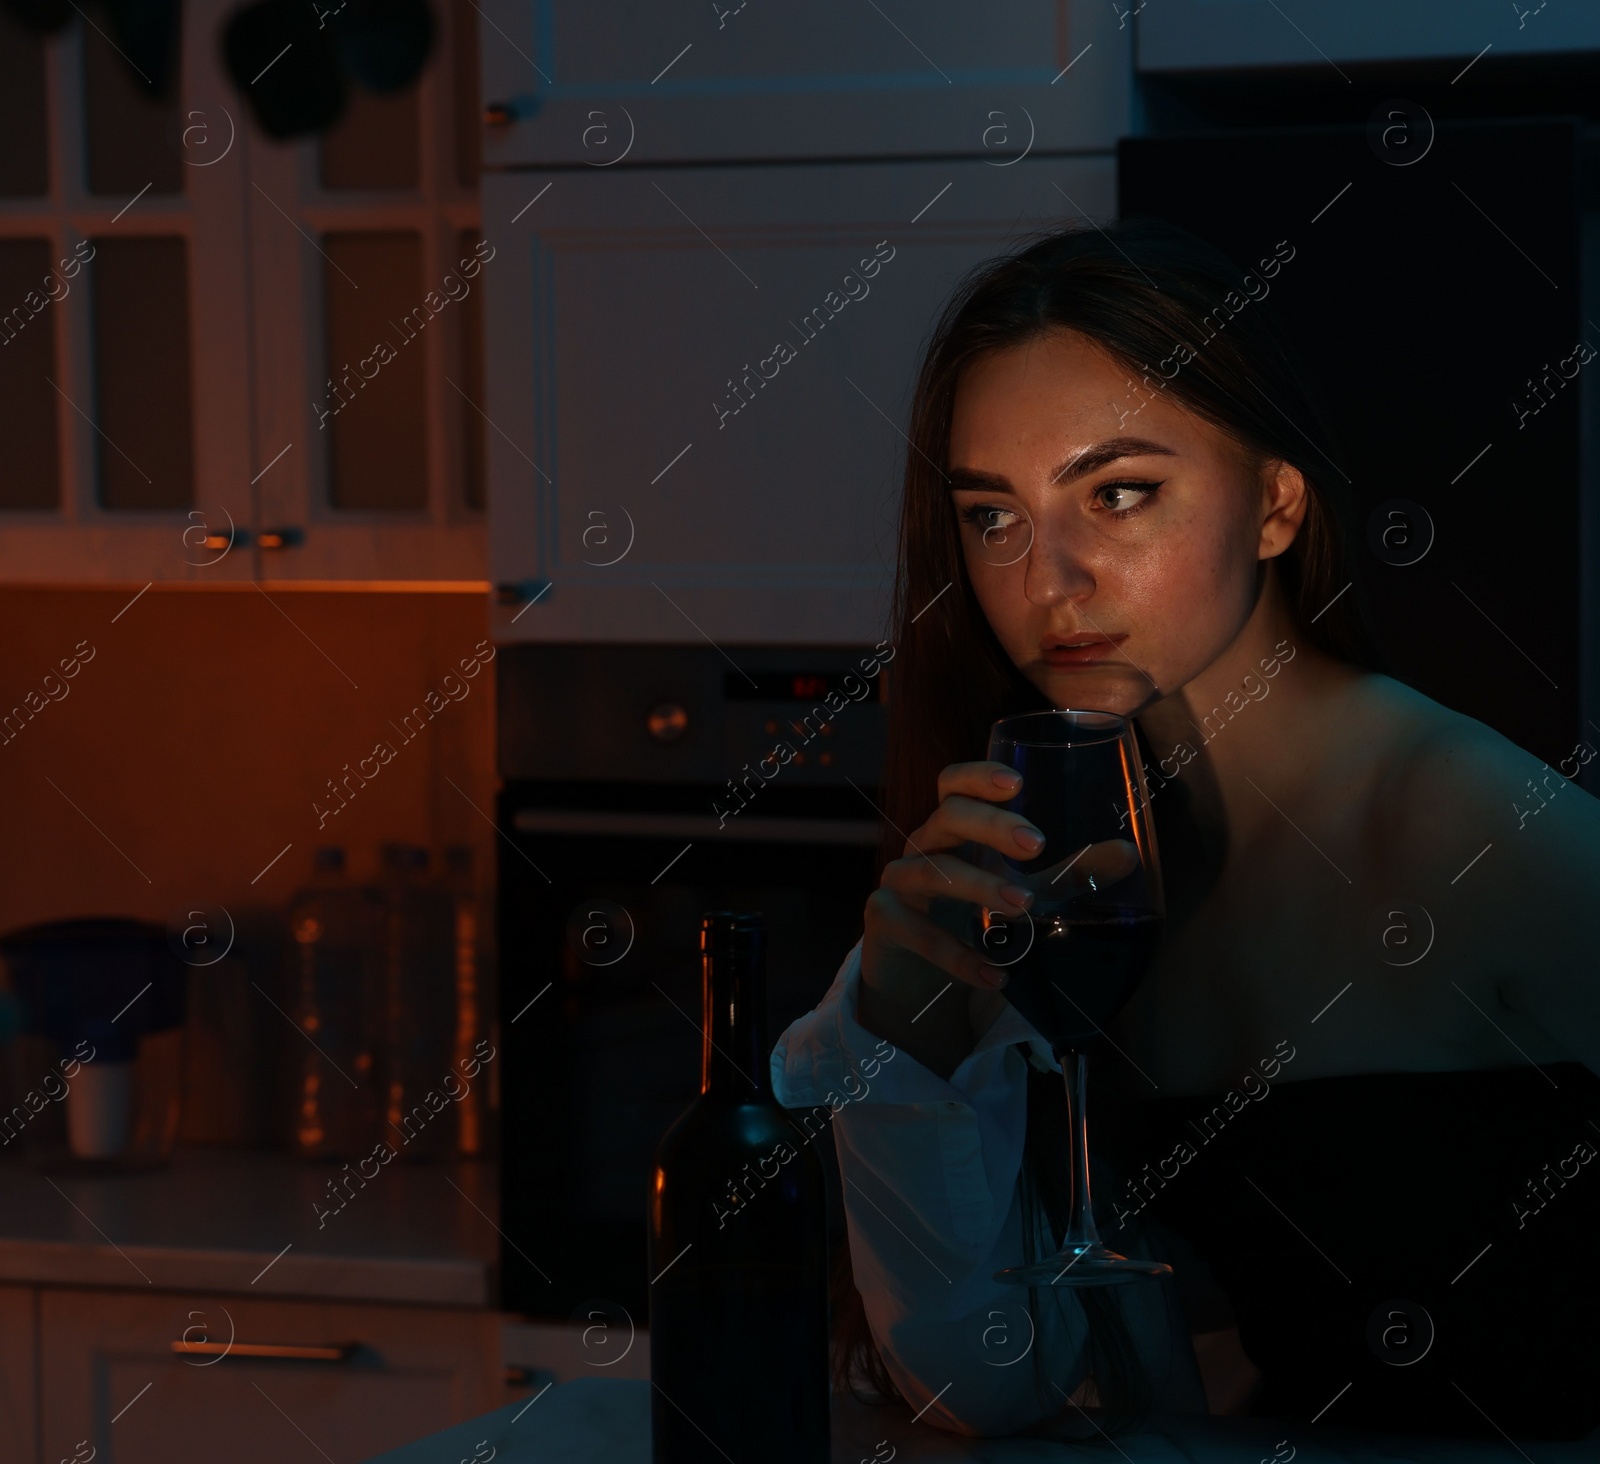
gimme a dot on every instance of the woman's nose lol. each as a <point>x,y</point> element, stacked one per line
<point>1053,572</point>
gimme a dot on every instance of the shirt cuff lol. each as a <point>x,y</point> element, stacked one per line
<point>948,1151</point>
<point>827,1056</point>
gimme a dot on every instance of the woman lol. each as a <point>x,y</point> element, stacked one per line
<point>1354,1100</point>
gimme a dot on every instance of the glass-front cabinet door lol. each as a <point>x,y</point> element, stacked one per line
<point>225,357</point>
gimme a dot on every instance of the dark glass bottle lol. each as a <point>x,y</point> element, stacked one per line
<point>738,1243</point>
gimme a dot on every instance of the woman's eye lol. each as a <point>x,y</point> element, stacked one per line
<point>987,516</point>
<point>999,534</point>
<point>1122,498</point>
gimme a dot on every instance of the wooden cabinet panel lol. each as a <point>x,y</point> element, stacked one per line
<point>1197,35</point>
<point>699,390</point>
<point>18,1375</point>
<point>681,80</point>
<point>108,1374</point>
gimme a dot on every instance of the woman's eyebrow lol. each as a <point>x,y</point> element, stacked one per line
<point>1087,460</point>
<point>1080,464</point>
<point>973,481</point>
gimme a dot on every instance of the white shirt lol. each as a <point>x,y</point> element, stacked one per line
<point>929,1173</point>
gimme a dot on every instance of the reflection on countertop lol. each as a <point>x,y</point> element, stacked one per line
<point>258,1223</point>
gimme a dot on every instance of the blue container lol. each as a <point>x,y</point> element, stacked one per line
<point>97,1070</point>
<point>87,979</point>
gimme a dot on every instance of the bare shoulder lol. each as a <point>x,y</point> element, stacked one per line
<point>1446,786</point>
<point>1503,852</point>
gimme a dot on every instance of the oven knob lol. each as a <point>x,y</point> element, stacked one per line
<point>667,722</point>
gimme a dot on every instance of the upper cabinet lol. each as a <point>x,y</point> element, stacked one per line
<point>226,358</point>
<point>367,297</point>
<point>724,233</point>
<point>717,80</point>
<point>701,379</point>
<point>1200,35</point>
<point>124,338</point>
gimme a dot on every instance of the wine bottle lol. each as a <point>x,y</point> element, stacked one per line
<point>738,1243</point>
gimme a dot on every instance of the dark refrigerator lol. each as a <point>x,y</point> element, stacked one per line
<point>1436,286</point>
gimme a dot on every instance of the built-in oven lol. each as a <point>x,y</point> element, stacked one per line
<point>642,786</point>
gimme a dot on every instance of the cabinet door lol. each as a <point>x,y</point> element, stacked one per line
<point>690,440</point>
<point>1196,35</point>
<point>681,80</point>
<point>19,1347</point>
<point>170,396</point>
<point>109,1375</point>
<point>124,388</point>
<point>367,345</point>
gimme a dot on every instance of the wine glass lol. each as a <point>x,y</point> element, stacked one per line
<point>1075,957</point>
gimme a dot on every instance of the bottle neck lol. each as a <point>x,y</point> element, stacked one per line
<point>733,1046</point>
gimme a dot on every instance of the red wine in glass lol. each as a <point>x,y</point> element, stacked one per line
<point>1081,968</point>
<point>1076,957</point>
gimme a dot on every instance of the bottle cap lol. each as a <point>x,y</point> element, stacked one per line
<point>405,856</point>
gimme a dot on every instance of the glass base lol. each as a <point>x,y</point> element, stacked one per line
<point>1084,1265</point>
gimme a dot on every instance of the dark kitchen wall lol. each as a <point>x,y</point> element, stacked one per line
<point>1434,289</point>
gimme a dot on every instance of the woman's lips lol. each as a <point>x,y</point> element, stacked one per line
<point>1102,648</point>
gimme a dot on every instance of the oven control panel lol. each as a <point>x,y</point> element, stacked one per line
<point>740,715</point>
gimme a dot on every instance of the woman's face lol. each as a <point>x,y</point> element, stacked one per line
<point>1094,513</point>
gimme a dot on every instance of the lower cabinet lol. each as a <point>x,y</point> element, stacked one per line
<point>108,1377</point>
<point>18,1375</point>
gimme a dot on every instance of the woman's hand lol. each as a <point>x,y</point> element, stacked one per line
<point>909,961</point>
<point>904,954</point>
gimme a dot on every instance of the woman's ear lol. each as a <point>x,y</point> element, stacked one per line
<point>1285,498</point>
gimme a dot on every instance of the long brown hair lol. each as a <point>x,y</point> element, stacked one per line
<point>1139,289</point>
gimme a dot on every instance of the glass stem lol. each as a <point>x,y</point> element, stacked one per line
<point>1081,1231</point>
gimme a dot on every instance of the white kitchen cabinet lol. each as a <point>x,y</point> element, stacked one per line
<point>300,230</point>
<point>18,1375</point>
<point>108,1375</point>
<point>681,80</point>
<point>1200,35</point>
<point>661,468</point>
<point>80,539</point>
<point>254,228</point>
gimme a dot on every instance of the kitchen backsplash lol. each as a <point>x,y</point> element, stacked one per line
<point>198,732</point>
<point>180,756</point>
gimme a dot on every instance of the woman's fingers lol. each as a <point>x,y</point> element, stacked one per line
<point>891,924</point>
<point>968,793</point>
<point>902,941</point>
<point>991,780</point>
<point>923,877</point>
<point>960,820</point>
<point>1095,867</point>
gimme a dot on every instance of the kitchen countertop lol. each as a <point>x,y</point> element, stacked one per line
<point>233,1220</point>
<point>607,1421</point>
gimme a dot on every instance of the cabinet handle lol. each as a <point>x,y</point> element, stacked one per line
<point>288,1351</point>
<point>517,592</point>
<point>284,538</point>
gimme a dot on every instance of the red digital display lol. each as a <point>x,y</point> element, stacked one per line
<point>789,686</point>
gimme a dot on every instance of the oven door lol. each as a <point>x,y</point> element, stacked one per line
<point>600,1008</point>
